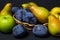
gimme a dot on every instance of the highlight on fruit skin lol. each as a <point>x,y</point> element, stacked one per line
<point>56,12</point>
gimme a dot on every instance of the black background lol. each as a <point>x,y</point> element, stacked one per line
<point>49,4</point>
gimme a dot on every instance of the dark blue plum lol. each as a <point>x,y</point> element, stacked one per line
<point>29,17</point>
<point>14,9</point>
<point>19,14</point>
<point>19,31</point>
<point>27,10</point>
<point>26,16</point>
<point>40,30</point>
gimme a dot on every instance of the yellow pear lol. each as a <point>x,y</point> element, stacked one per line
<point>34,4</point>
<point>40,13</point>
<point>54,25</point>
<point>56,12</point>
<point>6,9</point>
<point>26,5</point>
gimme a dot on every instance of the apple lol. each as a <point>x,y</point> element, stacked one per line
<point>6,23</point>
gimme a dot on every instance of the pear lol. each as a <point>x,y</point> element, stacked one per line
<point>54,25</point>
<point>32,3</point>
<point>7,9</point>
<point>26,5</point>
<point>40,13</point>
<point>56,12</point>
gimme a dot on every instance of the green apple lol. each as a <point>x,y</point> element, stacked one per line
<point>6,23</point>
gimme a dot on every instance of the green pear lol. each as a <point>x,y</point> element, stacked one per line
<point>6,9</point>
<point>54,25</point>
<point>40,13</point>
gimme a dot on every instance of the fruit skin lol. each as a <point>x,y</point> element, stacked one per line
<point>29,17</point>
<point>19,14</point>
<point>14,9</point>
<point>7,9</point>
<point>6,23</point>
<point>19,31</point>
<point>40,30</point>
<point>54,25</point>
<point>25,5</point>
<point>26,16</point>
<point>40,13</point>
<point>56,12</point>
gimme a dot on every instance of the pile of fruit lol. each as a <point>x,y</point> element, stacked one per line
<point>29,13</point>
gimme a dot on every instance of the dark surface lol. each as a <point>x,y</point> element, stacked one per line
<point>49,4</point>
